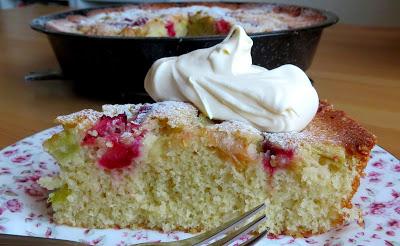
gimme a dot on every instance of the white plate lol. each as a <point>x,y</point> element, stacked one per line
<point>23,208</point>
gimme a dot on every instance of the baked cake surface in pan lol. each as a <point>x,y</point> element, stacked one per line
<point>178,20</point>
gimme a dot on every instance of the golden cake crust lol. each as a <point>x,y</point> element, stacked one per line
<point>330,126</point>
<point>339,127</point>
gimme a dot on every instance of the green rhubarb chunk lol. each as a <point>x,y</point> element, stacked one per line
<point>60,195</point>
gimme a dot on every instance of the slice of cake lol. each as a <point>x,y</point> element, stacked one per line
<point>166,166</point>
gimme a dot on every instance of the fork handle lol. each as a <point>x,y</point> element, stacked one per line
<point>16,240</point>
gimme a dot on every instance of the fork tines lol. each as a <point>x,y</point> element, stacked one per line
<point>227,232</point>
<point>231,230</point>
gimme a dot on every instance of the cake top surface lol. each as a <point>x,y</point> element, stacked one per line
<point>253,17</point>
<point>329,125</point>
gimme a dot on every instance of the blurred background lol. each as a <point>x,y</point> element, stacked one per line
<point>358,12</point>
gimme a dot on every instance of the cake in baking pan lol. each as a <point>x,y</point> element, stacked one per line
<point>190,19</point>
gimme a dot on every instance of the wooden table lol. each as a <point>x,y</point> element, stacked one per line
<point>355,68</point>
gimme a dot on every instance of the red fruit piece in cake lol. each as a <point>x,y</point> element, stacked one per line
<point>275,157</point>
<point>222,26</point>
<point>110,129</point>
<point>170,29</point>
<point>119,155</point>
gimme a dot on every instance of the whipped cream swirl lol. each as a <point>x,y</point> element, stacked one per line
<point>223,84</point>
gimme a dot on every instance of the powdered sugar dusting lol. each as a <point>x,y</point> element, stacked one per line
<point>177,113</point>
<point>181,114</point>
<point>288,140</point>
<point>114,110</point>
<point>236,126</point>
<point>82,118</point>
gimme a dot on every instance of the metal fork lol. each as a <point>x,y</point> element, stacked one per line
<point>222,235</point>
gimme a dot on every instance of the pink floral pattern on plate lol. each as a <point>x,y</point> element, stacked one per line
<point>24,211</point>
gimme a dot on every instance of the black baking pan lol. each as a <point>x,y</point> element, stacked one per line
<point>114,67</point>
